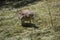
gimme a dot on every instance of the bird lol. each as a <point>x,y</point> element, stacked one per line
<point>26,15</point>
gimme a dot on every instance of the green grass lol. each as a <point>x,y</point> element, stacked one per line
<point>9,18</point>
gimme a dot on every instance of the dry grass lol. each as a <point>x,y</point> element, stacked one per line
<point>10,24</point>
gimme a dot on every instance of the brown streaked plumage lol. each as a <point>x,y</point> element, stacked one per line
<point>26,15</point>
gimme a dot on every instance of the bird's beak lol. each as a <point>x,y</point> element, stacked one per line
<point>21,17</point>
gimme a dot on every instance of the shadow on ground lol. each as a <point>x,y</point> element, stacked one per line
<point>29,25</point>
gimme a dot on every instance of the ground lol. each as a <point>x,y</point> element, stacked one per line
<point>47,19</point>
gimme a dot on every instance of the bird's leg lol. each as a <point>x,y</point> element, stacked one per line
<point>22,21</point>
<point>30,20</point>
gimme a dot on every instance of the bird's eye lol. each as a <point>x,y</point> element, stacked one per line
<point>22,14</point>
<point>19,13</point>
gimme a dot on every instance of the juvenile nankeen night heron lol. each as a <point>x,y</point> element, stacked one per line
<point>26,15</point>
